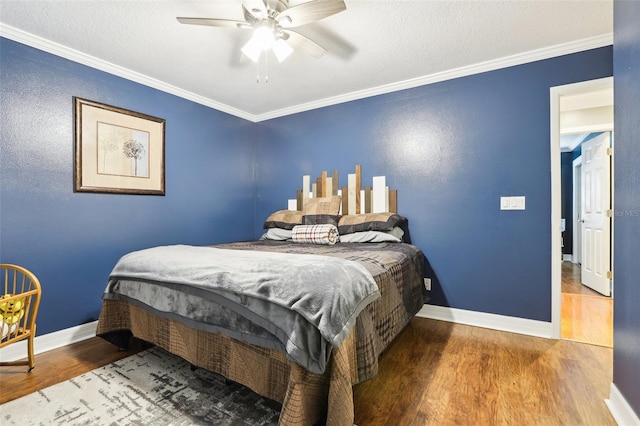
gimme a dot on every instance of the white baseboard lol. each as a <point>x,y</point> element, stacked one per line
<point>485,320</point>
<point>567,258</point>
<point>50,341</point>
<point>620,409</point>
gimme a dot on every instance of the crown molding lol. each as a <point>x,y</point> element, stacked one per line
<point>507,61</point>
<point>102,65</point>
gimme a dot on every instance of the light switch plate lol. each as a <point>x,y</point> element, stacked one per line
<point>512,203</point>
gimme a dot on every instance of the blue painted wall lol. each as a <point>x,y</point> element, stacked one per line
<point>626,310</point>
<point>451,149</point>
<point>72,240</point>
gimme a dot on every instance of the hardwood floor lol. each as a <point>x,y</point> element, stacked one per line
<point>59,365</point>
<point>572,281</point>
<point>586,315</point>
<point>439,373</point>
<point>434,373</point>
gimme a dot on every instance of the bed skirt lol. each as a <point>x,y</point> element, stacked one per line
<point>307,398</point>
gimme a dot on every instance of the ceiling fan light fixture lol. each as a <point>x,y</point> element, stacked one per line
<point>264,37</point>
<point>252,50</point>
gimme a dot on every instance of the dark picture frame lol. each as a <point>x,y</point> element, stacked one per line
<point>118,150</point>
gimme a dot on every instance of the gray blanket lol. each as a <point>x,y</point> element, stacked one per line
<point>308,303</point>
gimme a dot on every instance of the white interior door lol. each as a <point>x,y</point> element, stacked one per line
<point>596,213</point>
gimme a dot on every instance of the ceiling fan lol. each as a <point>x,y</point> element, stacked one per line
<point>271,21</point>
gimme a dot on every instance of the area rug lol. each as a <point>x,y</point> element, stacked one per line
<point>152,387</point>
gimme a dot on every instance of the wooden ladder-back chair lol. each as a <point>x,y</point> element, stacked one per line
<point>19,301</point>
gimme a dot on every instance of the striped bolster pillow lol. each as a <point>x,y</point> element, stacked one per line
<point>315,234</point>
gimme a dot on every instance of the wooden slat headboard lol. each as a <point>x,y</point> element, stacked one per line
<point>355,199</point>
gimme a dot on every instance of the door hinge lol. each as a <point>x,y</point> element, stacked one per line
<point>609,213</point>
<point>609,151</point>
<point>609,275</point>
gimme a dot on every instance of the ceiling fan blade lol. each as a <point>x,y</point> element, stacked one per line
<point>209,22</point>
<point>300,42</point>
<point>309,12</point>
<point>339,46</point>
<point>248,16</point>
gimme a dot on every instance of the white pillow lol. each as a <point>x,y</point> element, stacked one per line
<point>277,234</point>
<point>393,236</point>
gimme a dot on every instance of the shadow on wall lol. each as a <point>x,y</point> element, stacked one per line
<point>428,271</point>
<point>436,288</point>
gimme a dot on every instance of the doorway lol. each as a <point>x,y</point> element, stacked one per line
<point>587,316</point>
<point>578,113</point>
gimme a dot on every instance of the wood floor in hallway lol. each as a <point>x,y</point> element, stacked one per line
<point>587,316</point>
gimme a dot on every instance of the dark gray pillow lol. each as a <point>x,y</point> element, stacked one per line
<point>348,224</point>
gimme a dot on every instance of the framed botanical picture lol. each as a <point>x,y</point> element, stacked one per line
<point>117,150</point>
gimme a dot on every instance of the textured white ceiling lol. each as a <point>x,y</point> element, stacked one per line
<point>374,46</point>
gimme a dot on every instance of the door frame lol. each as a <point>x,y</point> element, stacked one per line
<point>556,190</point>
<point>576,252</point>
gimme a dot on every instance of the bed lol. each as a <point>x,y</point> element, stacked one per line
<point>295,356</point>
